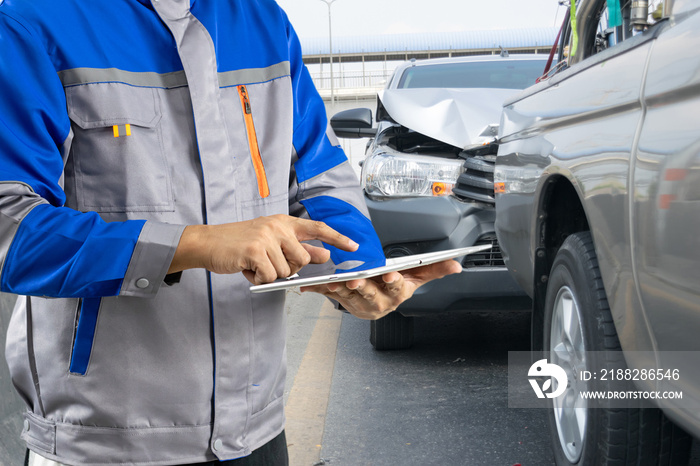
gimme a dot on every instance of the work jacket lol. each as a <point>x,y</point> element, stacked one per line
<point>121,122</point>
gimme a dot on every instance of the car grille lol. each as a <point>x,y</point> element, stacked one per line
<point>489,258</point>
<point>476,183</point>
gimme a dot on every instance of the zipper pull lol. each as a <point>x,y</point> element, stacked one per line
<point>246,101</point>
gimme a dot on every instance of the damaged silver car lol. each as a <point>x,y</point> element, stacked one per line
<point>428,178</point>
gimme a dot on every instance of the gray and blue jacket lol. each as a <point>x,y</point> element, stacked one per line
<point>121,121</point>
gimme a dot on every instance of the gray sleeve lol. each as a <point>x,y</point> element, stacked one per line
<point>151,259</point>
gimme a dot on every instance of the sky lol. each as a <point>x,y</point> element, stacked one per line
<point>369,17</point>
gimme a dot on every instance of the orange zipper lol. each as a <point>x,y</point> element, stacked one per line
<point>260,174</point>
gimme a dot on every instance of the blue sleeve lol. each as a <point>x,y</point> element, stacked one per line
<point>60,252</point>
<point>327,185</point>
<point>45,248</point>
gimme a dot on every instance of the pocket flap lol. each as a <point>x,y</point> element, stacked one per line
<point>108,104</point>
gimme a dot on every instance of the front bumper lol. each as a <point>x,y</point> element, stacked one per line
<point>418,225</point>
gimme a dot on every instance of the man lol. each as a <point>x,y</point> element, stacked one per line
<point>151,151</point>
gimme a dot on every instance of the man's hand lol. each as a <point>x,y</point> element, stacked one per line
<point>376,297</point>
<point>264,249</point>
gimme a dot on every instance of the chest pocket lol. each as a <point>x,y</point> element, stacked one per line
<point>117,153</point>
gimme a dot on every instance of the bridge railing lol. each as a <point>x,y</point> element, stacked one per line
<point>375,79</point>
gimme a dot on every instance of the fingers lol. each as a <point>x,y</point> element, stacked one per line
<point>281,262</point>
<point>368,299</point>
<point>387,292</point>
<point>317,255</point>
<point>295,254</point>
<point>249,275</point>
<point>271,250</point>
<point>268,247</point>
<point>286,253</point>
<point>374,298</point>
<point>426,273</point>
<point>309,230</point>
<point>394,283</point>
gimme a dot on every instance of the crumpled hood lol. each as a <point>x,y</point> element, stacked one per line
<point>454,116</point>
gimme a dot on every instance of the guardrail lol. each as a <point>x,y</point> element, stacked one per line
<point>375,79</point>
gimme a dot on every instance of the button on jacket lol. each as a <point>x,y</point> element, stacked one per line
<point>121,122</point>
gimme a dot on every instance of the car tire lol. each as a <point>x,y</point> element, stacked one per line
<point>392,332</point>
<point>577,317</point>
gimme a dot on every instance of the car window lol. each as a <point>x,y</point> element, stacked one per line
<point>504,74</point>
<point>600,28</point>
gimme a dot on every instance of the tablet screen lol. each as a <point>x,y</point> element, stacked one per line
<point>392,265</point>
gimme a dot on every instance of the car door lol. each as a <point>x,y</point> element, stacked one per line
<point>582,126</point>
<point>665,207</point>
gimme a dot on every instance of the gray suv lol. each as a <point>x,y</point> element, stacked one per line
<point>598,215</point>
<point>428,178</point>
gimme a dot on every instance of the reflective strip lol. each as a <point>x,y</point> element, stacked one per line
<point>77,76</point>
<point>84,335</point>
<point>254,75</point>
<point>127,130</point>
<point>260,174</point>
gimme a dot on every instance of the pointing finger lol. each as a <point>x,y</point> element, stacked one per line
<point>309,230</point>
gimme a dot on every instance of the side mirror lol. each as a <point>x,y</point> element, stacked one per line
<point>354,124</point>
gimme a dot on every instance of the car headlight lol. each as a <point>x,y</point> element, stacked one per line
<point>388,173</point>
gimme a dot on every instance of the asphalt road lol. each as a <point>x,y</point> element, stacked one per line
<point>442,402</point>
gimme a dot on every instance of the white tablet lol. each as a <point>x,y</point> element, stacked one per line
<point>392,265</point>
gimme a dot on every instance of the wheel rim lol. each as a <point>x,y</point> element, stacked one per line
<point>568,351</point>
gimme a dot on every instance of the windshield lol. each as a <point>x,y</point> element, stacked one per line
<point>505,74</point>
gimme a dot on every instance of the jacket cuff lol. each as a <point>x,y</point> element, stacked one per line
<point>151,259</point>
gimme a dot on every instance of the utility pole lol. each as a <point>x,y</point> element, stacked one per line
<point>330,43</point>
